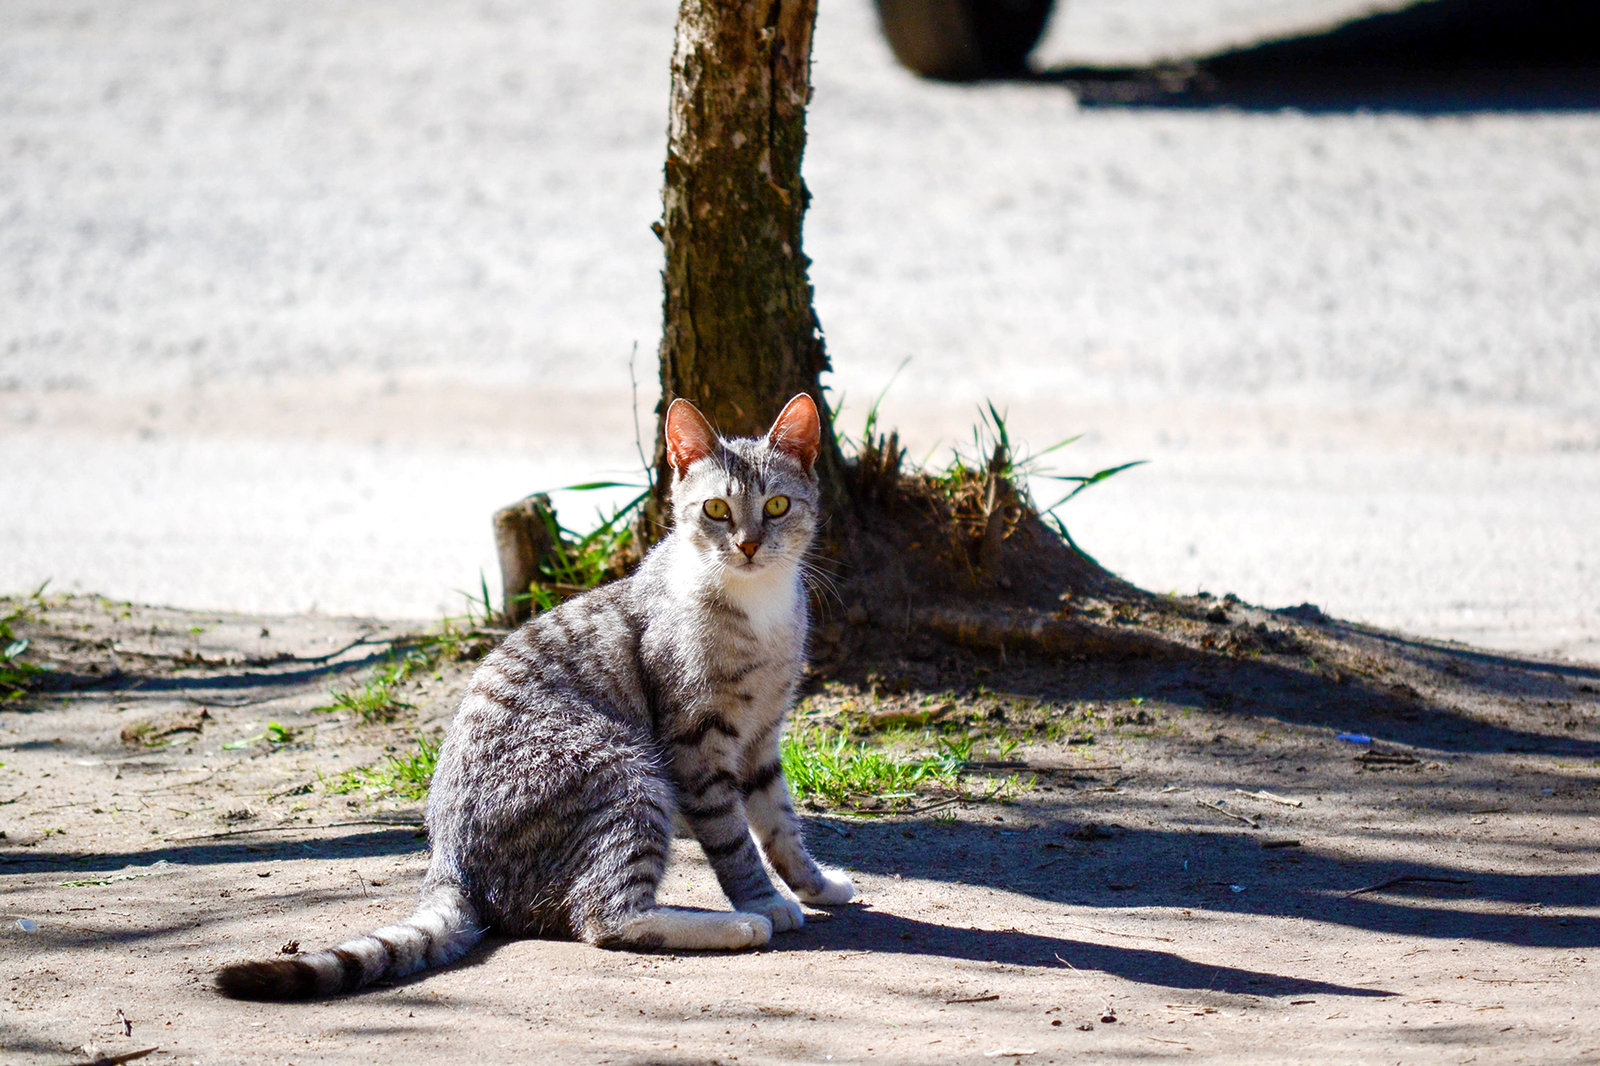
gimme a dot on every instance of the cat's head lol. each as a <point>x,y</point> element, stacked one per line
<point>748,505</point>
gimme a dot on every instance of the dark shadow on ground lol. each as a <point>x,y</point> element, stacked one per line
<point>1439,654</point>
<point>370,842</point>
<point>1199,869</point>
<point>861,928</point>
<point>1290,689</point>
<point>1431,58</point>
<point>265,682</point>
<point>14,1040</point>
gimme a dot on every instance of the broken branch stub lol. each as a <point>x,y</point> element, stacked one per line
<point>521,539</point>
<point>996,500</point>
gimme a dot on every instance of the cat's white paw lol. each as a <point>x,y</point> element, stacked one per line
<point>673,928</point>
<point>784,914</point>
<point>836,888</point>
<point>757,930</point>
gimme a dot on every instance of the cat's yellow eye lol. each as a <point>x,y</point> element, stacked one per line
<point>777,505</point>
<point>717,509</point>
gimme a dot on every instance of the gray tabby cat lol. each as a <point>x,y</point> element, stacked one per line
<point>551,810</point>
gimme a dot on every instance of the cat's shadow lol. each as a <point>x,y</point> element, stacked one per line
<point>860,928</point>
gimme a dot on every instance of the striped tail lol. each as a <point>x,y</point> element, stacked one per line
<point>444,928</point>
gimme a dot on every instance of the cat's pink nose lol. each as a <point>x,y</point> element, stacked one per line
<point>749,548</point>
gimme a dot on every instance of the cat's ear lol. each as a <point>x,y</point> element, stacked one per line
<point>689,436</point>
<point>798,431</point>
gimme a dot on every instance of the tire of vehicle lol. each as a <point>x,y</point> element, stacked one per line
<point>959,40</point>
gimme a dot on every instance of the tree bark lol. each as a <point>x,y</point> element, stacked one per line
<point>740,337</point>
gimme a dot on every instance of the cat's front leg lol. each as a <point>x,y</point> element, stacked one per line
<point>713,804</point>
<point>770,811</point>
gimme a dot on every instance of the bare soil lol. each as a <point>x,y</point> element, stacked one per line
<point>1428,897</point>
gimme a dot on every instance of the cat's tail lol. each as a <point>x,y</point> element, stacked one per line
<point>444,928</point>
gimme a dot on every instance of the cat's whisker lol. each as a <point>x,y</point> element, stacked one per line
<point>821,583</point>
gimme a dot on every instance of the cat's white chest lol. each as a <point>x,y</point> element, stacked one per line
<point>771,604</point>
<point>766,608</point>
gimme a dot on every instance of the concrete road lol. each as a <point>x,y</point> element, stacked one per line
<point>292,297</point>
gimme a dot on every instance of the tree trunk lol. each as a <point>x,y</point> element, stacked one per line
<point>740,336</point>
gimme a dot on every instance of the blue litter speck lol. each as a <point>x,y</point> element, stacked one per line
<point>1355,738</point>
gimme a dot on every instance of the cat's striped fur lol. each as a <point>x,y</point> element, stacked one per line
<point>551,810</point>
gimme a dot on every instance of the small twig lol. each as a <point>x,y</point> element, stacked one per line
<point>1265,795</point>
<point>1386,758</point>
<point>353,644</point>
<point>1504,981</point>
<point>935,805</point>
<point>116,1060</point>
<point>638,437</point>
<point>976,999</point>
<point>1245,818</point>
<point>1408,879</point>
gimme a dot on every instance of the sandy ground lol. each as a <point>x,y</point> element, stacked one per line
<point>1436,907</point>
<point>292,299</point>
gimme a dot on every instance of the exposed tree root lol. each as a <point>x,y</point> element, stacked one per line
<point>1011,628</point>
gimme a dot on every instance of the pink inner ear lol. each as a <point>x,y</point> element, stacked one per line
<point>798,431</point>
<point>689,436</point>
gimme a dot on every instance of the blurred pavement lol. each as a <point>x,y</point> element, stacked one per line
<point>292,297</point>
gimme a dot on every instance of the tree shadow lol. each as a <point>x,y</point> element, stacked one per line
<point>1294,675</point>
<point>293,672</point>
<point>1431,58</point>
<point>15,1040</point>
<point>1228,873</point>
<point>402,839</point>
<point>1438,654</point>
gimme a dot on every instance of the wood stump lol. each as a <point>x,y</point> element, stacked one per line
<point>521,539</point>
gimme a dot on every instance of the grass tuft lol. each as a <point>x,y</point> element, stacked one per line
<point>979,498</point>
<point>15,675</point>
<point>405,774</point>
<point>828,767</point>
<point>378,698</point>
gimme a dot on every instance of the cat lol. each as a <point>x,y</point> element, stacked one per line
<point>552,805</point>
